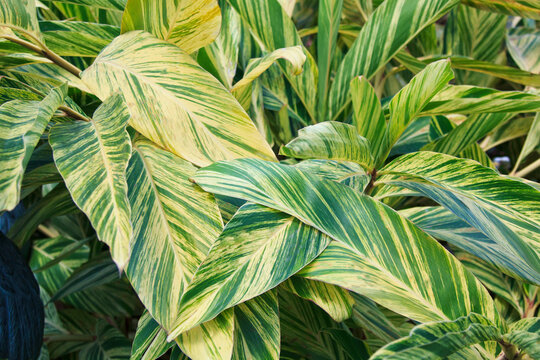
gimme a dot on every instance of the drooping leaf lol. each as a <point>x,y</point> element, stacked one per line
<point>369,316</point>
<point>438,340</point>
<point>332,141</point>
<point>504,210</point>
<point>334,300</point>
<point>92,158</point>
<point>526,335</point>
<point>189,24</point>
<point>387,30</point>
<point>258,249</point>
<point>191,115</point>
<point>174,225</point>
<point>378,253</point>
<point>21,125</point>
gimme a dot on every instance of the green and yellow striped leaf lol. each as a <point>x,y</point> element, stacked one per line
<point>75,38</point>
<point>464,99</point>
<point>21,125</point>
<point>443,224</point>
<point>92,158</point>
<point>258,249</point>
<point>328,22</point>
<point>174,102</point>
<point>294,55</point>
<point>438,340</point>
<point>347,173</point>
<point>369,316</point>
<point>274,29</point>
<point>337,302</point>
<point>388,29</point>
<point>505,210</point>
<point>524,8</point>
<point>379,253</point>
<point>20,14</point>
<point>150,340</point>
<point>532,141</point>
<point>109,344</point>
<point>174,225</point>
<point>189,24</point>
<point>523,44</point>
<point>257,330</point>
<point>117,5</point>
<point>406,105</point>
<point>330,140</point>
<point>526,335</point>
<point>367,115</point>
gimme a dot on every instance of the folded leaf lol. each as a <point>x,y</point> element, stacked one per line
<point>92,157</point>
<point>191,113</point>
<point>150,340</point>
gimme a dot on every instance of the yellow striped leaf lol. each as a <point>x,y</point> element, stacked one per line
<point>188,24</point>
<point>388,29</point>
<point>258,249</point>
<point>20,14</point>
<point>174,102</point>
<point>174,225</point>
<point>92,158</point>
<point>379,253</point>
<point>505,210</point>
<point>330,140</point>
<point>523,44</point>
<point>526,335</point>
<point>524,8</point>
<point>150,340</point>
<point>21,125</point>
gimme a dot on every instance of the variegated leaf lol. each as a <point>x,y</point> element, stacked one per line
<point>20,14</point>
<point>525,334</point>
<point>532,141</point>
<point>523,44</point>
<point>109,344</point>
<point>188,24</point>
<point>174,225</point>
<point>258,249</point>
<point>150,340</point>
<point>378,253</point>
<point>387,30</point>
<point>92,158</point>
<point>174,102</point>
<point>505,210</point>
<point>21,125</point>
<point>524,8</point>
<point>330,140</point>
<point>437,340</point>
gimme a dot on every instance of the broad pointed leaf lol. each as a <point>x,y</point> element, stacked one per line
<point>189,24</point>
<point>21,125</point>
<point>92,158</point>
<point>191,113</point>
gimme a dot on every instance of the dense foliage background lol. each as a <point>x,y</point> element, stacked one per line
<point>264,179</point>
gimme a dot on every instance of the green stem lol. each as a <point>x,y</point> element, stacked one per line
<point>73,114</point>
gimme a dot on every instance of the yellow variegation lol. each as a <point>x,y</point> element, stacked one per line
<point>21,125</point>
<point>92,158</point>
<point>188,24</point>
<point>174,102</point>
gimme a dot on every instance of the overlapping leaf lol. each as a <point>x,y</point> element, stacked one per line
<point>174,102</point>
<point>524,8</point>
<point>189,24</point>
<point>523,44</point>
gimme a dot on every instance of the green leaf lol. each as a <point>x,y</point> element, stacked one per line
<point>347,173</point>
<point>20,14</point>
<point>406,105</point>
<point>368,315</point>
<point>21,125</point>
<point>531,142</point>
<point>174,225</point>
<point>526,335</point>
<point>524,8</point>
<point>257,329</point>
<point>74,38</point>
<point>110,344</point>
<point>117,5</point>
<point>258,249</point>
<point>464,99</point>
<point>337,302</point>
<point>438,340</point>
<point>274,29</point>
<point>388,29</point>
<point>368,116</point>
<point>192,114</point>
<point>443,224</point>
<point>189,25</point>
<point>329,19</point>
<point>523,44</point>
<point>332,141</point>
<point>378,253</point>
<point>92,158</point>
<point>150,340</point>
<point>504,210</point>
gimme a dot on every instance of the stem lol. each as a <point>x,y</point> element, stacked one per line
<point>46,52</point>
<point>73,114</point>
<point>369,186</point>
<point>527,169</point>
<point>510,352</point>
